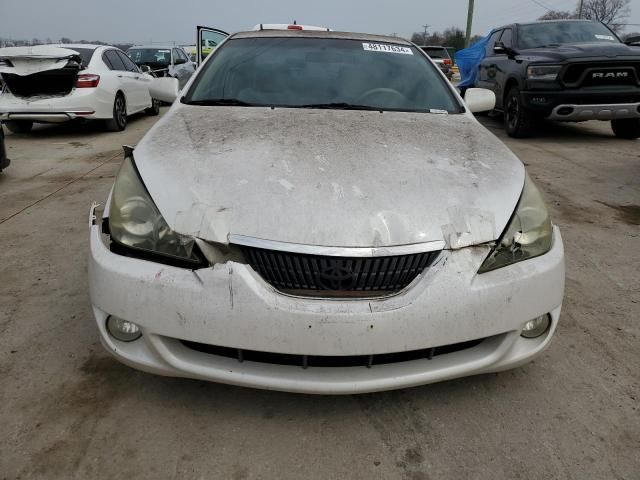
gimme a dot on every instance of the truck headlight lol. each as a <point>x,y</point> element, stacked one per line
<point>135,222</point>
<point>543,72</point>
<point>528,235</point>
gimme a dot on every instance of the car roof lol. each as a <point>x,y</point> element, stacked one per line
<point>366,37</point>
<point>79,45</point>
<point>156,47</point>
<point>559,20</point>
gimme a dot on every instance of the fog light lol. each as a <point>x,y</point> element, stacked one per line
<point>536,327</point>
<point>123,330</point>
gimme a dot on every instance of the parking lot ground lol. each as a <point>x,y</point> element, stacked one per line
<point>68,410</point>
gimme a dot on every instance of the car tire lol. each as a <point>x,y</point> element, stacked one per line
<point>628,128</point>
<point>518,121</point>
<point>154,109</point>
<point>119,121</point>
<point>19,126</point>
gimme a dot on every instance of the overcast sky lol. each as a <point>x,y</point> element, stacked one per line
<point>136,21</point>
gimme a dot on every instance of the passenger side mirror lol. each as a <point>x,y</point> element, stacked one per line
<point>633,41</point>
<point>145,68</point>
<point>480,100</point>
<point>179,61</point>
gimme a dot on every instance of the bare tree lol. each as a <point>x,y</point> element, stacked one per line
<point>610,12</point>
<point>418,38</point>
<point>451,37</point>
<point>558,15</point>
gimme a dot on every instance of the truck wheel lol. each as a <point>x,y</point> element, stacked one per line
<point>119,120</point>
<point>154,109</point>
<point>19,126</point>
<point>627,128</point>
<point>518,121</point>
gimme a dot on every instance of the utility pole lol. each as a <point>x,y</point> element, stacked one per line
<point>467,40</point>
<point>580,8</point>
<point>424,35</point>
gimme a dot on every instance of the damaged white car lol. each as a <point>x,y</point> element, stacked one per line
<point>322,213</point>
<point>59,83</point>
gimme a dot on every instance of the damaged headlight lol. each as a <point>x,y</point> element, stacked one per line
<point>528,235</point>
<point>135,222</point>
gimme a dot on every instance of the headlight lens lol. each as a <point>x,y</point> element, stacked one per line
<point>134,220</point>
<point>543,72</point>
<point>528,235</point>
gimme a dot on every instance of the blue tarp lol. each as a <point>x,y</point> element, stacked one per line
<point>468,61</point>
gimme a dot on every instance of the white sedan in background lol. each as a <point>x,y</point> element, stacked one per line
<point>59,83</point>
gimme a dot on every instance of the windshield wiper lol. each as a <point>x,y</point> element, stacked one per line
<point>339,106</point>
<point>223,102</point>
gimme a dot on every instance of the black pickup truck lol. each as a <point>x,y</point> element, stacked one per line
<point>569,71</point>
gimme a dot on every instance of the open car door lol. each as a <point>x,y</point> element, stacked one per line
<point>207,40</point>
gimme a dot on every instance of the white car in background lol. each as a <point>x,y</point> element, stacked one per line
<point>59,83</point>
<point>164,61</point>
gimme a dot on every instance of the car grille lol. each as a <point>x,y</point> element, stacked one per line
<point>306,361</point>
<point>581,74</point>
<point>329,276</point>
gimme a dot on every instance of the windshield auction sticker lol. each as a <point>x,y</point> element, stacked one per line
<point>383,47</point>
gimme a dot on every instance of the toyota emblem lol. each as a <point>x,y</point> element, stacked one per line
<point>336,275</point>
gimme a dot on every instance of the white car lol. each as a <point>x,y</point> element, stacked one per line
<point>164,61</point>
<point>59,83</point>
<point>325,217</point>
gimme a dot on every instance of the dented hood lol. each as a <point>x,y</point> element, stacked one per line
<point>329,177</point>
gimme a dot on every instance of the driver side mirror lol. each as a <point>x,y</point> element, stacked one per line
<point>499,48</point>
<point>633,41</point>
<point>480,100</point>
<point>179,61</point>
<point>145,68</point>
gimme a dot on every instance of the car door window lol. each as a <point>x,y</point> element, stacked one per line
<point>507,38</point>
<point>128,63</point>
<point>492,42</point>
<point>114,60</point>
<point>106,61</point>
<point>183,55</point>
<point>176,55</point>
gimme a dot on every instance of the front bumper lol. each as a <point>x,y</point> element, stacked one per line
<point>584,104</point>
<point>229,305</point>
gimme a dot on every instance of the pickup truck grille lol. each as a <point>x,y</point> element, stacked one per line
<point>328,276</point>
<point>601,74</point>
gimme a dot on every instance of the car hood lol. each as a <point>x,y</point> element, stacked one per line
<point>596,50</point>
<point>329,177</point>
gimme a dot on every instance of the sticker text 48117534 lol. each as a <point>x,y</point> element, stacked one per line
<point>386,48</point>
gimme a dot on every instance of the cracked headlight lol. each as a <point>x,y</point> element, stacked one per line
<point>135,222</point>
<point>528,235</point>
<point>543,72</point>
